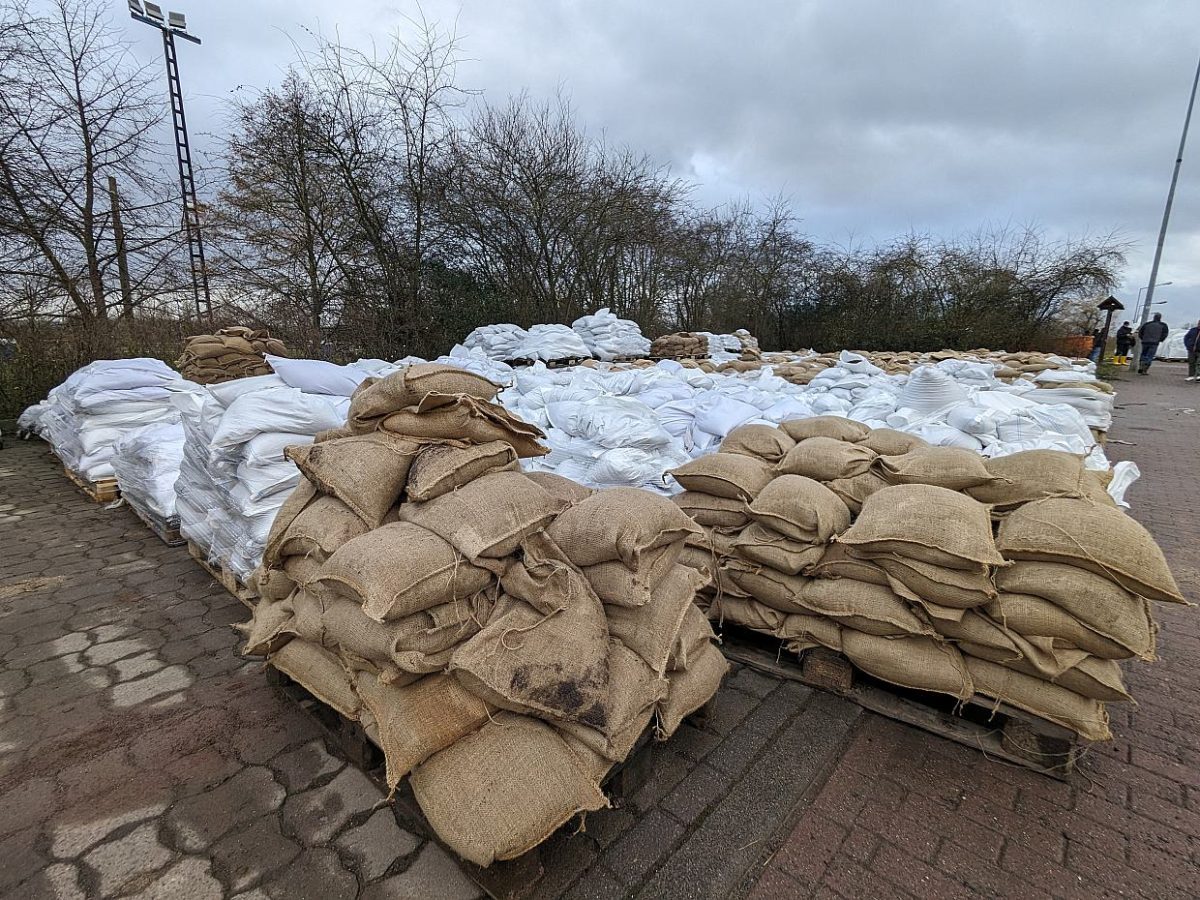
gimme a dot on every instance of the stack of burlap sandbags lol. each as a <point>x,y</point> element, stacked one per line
<point>679,344</point>
<point>874,544</point>
<point>505,638</point>
<point>234,352</point>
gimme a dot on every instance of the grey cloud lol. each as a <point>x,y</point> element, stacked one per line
<point>876,117</point>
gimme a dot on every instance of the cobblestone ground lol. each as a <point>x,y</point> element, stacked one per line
<point>140,755</point>
<point>909,815</point>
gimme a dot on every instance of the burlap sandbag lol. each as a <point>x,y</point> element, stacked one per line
<point>633,690</point>
<point>1102,605</point>
<point>947,467</point>
<point>272,584</point>
<point>401,569</point>
<point>1099,538</point>
<point>553,665</point>
<point>302,495</point>
<point>375,399</point>
<point>1034,617</point>
<point>1053,702</point>
<point>1096,679</point>
<point>465,419</point>
<point>800,508</point>
<point>322,527</point>
<point>694,633</point>
<point>650,631</point>
<point>562,488</point>
<point>367,472</point>
<point>855,491</point>
<point>301,569</point>
<point>1042,653</point>
<point>760,544</point>
<point>729,475</point>
<point>1031,475</point>
<point>955,588</point>
<point>333,434</point>
<point>801,630</point>
<point>913,662</point>
<point>765,442</point>
<point>503,789</point>
<point>834,427</point>
<point>690,689</point>
<point>438,469</point>
<point>827,459</point>
<point>544,578</point>
<point>712,511</point>
<point>488,517</point>
<point>889,442</point>
<point>926,523</point>
<point>839,562</point>
<point>267,630</point>
<point>420,719</point>
<point>766,585</point>
<point>321,674</point>
<point>620,524</point>
<point>403,645</point>
<point>869,608</point>
<point>616,583</point>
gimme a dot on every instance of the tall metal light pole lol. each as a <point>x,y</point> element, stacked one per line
<point>1135,360</point>
<point>175,24</point>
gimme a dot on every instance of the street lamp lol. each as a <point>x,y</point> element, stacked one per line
<point>175,25</point>
<point>1138,307</point>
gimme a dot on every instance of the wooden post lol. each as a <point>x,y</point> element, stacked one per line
<point>122,259</point>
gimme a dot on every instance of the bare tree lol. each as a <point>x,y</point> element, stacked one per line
<point>283,226</point>
<point>75,108</point>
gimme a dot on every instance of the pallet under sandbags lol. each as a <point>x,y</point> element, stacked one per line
<point>1030,599</point>
<point>469,625</point>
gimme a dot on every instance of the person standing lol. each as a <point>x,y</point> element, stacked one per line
<point>1191,341</point>
<point>1124,344</point>
<point>1151,335</point>
<point>1097,346</point>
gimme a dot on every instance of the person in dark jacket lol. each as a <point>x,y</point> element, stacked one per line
<point>1191,341</point>
<point>1151,335</point>
<point>1124,344</point>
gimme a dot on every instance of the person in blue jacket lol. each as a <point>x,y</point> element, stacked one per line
<point>1191,341</point>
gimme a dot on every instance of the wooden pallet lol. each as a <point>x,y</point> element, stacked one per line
<point>508,880</point>
<point>223,576</point>
<point>565,363</point>
<point>1000,731</point>
<point>166,530</point>
<point>105,490</point>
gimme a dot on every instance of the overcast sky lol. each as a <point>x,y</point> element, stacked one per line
<point>875,117</point>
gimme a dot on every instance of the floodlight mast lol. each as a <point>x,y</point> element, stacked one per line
<point>172,26</point>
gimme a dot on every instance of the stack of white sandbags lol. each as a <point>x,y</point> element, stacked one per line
<point>475,359</point>
<point>146,463</point>
<point>1081,390</point>
<point>497,341</point>
<point>550,343</point>
<point>234,476</point>
<point>609,337</point>
<point>90,411</point>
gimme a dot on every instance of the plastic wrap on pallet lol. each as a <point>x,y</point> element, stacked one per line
<point>147,463</point>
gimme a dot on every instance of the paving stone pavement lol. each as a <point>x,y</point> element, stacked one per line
<point>140,755</point>
<point>906,814</point>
